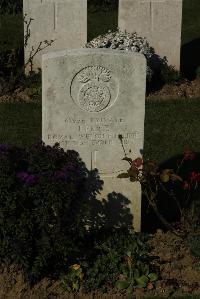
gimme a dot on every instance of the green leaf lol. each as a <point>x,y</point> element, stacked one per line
<point>75,286</point>
<point>153,276</point>
<point>136,273</point>
<point>145,269</point>
<point>122,284</point>
<point>123,175</point>
<point>142,281</point>
<point>130,289</point>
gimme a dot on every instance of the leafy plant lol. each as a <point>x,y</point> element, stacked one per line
<point>135,274</point>
<point>168,73</point>
<point>12,67</point>
<point>44,207</point>
<point>104,263</point>
<point>71,281</point>
<point>171,181</point>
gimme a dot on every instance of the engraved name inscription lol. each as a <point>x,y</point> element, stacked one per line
<point>95,131</point>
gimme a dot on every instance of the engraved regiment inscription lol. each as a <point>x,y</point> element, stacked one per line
<point>95,132</point>
<point>94,89</point>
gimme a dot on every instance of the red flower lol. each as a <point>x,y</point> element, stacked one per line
<point>194,177</point>
<point>136,163</point>
<point>188,155</point>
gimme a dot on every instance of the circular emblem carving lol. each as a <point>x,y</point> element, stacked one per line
<point>94,97</point>
<point>93,89</point>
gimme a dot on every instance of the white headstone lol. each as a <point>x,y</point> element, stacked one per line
<point>159,21</point>
<point>64,21</point>
<point>90,97</point>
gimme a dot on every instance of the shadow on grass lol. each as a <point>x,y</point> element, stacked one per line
<point>190,59</point>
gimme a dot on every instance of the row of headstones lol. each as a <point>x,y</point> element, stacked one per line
<point>93,101</point>
<point>65,21</point>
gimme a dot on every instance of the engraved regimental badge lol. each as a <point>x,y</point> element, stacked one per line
<point>93,89</point>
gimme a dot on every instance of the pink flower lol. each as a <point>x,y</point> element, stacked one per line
<point>136,163</point>
<point>194,177</point>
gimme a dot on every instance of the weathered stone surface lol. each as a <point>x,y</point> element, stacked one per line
<point>159,21</point>
<point>64,21</point>
<point>90,97</point>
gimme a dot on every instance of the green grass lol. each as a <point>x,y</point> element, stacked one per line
<point>20,123</point>
<point>100,22</point>
<point>170,126</point>
<point>191,20</point>
<point>11,31</point>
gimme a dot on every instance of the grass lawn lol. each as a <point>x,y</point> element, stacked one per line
<point>20,123</point>
<point>11,31</point>
<point>170,127</point>
<point>191,20</point>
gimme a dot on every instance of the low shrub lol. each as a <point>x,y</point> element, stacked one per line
<point>44,206</point>
<point>46,226</point>
<point>108,259</point>
<point>172,189</point>
<point>11,6</point>
<point>158,70</point>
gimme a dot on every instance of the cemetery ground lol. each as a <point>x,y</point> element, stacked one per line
<point>171,126</point>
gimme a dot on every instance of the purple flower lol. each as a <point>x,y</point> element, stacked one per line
<point>26,178</point>
<point>64,173</point>
<point>69,167</point>
<point>60,174</point>
<point>4,147</point>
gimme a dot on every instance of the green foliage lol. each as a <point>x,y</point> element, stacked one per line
<point>193,242</point>
<point>135,274</point>
<point>198,72</point>
<point>169,74</point>
<point>11,6</point>
<point>10,61</point>
<point>105,262</point>
<point>71,281</point>
<point>180,184</point>
<point>44,202</point>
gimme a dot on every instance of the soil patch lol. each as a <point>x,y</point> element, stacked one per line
<point>184,90</point>
<point>171,259</point>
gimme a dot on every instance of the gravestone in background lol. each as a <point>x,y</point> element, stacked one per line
<point>90,97</point>
<point>64,21</point>
<point>159,21</point>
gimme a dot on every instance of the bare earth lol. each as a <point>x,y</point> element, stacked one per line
<point>173,262</point>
